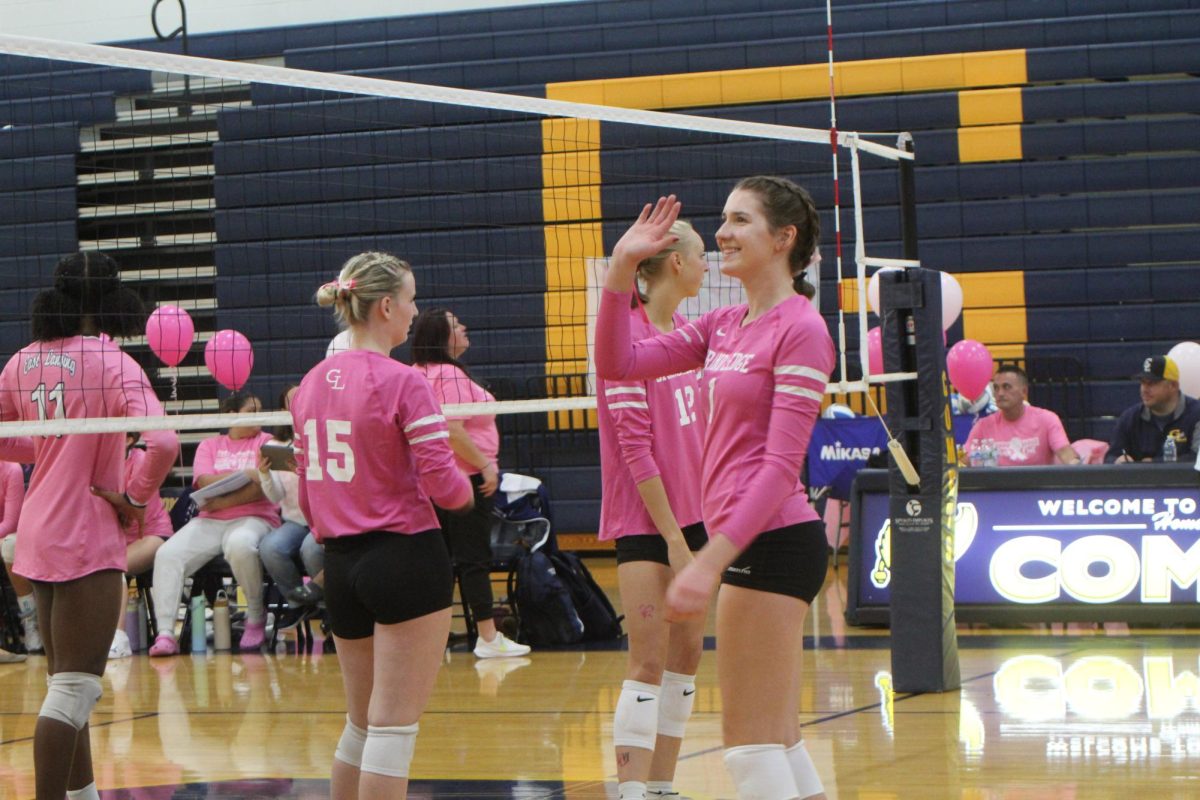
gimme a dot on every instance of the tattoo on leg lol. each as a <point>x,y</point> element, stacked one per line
<point>646,610</point>
<point>622,759</point>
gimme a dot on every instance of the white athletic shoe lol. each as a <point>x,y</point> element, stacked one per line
<point>500,647</point>
<point>33,636</point>
<point>120,645</point>
<point>11,658</point>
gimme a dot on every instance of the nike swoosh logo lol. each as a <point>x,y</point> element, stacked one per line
<point>686,693</point>
<point>641,699</point>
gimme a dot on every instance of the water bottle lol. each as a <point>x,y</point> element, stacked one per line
<point>199,634</point>
<point>222,629</point>
<point>1169,451</point>
<point>133,623</point>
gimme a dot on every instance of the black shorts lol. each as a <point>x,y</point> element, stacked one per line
<point>653,547</point>
<point>789,561</point>
<point>384,577</point>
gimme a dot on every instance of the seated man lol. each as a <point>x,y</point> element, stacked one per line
<point>1025,435</point>
<point>1164,412</point>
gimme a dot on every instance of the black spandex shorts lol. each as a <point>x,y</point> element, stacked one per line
<point>789,561</point>
<point>653,547</point>
<point>385,577</point>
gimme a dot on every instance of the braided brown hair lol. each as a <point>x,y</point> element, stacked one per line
<point>787,203</point>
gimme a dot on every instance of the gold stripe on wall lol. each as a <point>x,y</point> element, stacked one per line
<point>807,81</point>
<point>990,107</point>
<point>989,143</point>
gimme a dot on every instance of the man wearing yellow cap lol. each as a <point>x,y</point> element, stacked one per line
<point>1164,413</point>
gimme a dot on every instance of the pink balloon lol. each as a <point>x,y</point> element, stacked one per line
<point>229,357</point>
<point>875,350</point>
<point>969,365</point>
<point>170,332</point>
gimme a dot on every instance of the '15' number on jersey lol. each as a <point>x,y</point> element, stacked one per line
<point>340,464</point>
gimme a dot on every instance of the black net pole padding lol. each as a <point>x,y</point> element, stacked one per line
<point>924,641</point>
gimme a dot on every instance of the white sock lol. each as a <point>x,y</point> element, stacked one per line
<point>631,790</point>
<point>88,792</point>
<point>659,787</point>
<point>26,605</point>
<point>808,781</point>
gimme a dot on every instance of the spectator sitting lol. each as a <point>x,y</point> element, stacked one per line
<point>232,524</point>
<point>142,540</point>
<point>1025,435</point>
<point>1165,411</point>
<point>292,545</point>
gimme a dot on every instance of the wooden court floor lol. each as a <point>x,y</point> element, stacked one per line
<point>1043,714</point>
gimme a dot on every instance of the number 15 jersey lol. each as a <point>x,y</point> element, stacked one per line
<point>372,447</point>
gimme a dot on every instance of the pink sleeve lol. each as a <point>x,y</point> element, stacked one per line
<point>202,464</point>
<point>162,447</point>
<point>14,495</point>
<point>19,449</point>
<point>452,386</point>
<point>1055,435</point>
<point>803,361</point>
<point>975,435</point>
<point>618,357</point>
<point>429,437</point>
<point>627,403</point>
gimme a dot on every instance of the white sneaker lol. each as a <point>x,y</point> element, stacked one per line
<point>33,636</point>
<point>120,645</point>
<point>500,647</point>
<point>11,658</point>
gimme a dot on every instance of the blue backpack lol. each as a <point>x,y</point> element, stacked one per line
<point>544,607</point>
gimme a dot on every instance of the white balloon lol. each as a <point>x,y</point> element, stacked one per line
<point>873,289</point>
<point>1186,356</point>
<point>952,300</point>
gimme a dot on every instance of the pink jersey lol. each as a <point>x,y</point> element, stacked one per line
<point>1032,440</point>
<point>12,494</point>
<point>762,387</point>
<point>451,385</point>
<point>648,428</point>
<point>220,454</point>
<point>156,521</point>
<point>66,531</point>
<point>372,447</point>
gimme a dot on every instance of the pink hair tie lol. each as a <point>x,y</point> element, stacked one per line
<point>340,285</point>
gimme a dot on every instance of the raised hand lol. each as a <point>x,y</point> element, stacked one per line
<point>649,234</point>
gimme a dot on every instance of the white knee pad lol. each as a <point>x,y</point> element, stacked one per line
<point>8,548</point>
<point>389,751</point>
<point>350,746</point>
<point>761,772</point>
<point>804,771</point>
<point>675,703</point>
<point>635,723</point>
<point>71,697</point>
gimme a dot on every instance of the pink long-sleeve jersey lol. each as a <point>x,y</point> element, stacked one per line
<point>648,428</point>
<point>762,386</point>
<point>66,532</point>
<point>12,492</point>
<point>372,447</point>
<point>156,521</point>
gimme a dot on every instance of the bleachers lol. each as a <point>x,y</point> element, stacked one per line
<point>1068,184</point>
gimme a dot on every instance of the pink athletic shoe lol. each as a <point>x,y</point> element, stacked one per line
<point>253,635</point>
<point>164,645</point>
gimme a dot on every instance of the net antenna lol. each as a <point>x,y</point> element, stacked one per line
<point>710,131</point>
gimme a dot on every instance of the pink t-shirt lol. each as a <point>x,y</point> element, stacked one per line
<point>1030,441</point>
<point>372,447</point>
<point>219,454</point>
<point>156,521</point>
<point>648,428</point>
<point>451,385</point>
<point>12,494</point>
<point>761,386</point>
<point>66,531</point>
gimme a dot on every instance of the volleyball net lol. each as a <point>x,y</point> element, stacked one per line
<point>229,191</point>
